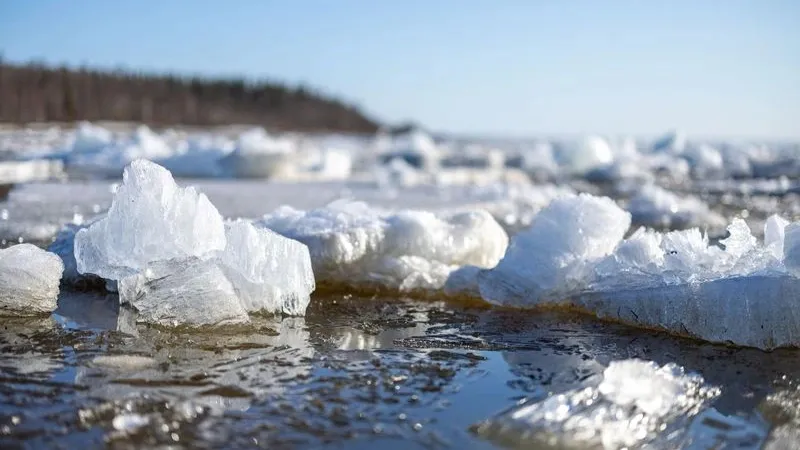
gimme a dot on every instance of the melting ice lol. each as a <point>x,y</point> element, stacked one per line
<point>177,262</point>
<point>29,280</point>
<point>574,255</point>
<point>636,404</point>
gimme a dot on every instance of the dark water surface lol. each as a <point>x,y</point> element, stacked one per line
<point>355,373</point>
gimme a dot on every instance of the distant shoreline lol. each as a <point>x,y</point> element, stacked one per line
<point>34,94</point>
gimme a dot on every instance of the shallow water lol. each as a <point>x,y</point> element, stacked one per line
<point>355,372</point>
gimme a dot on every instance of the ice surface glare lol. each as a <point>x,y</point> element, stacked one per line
<point>636,403</point>
<point>150,219</point>
<point>774,235</point>
<point>29,280</point>
<point>350,242</point>
<point>269,272</point>
<point>791,248</point>
<point>552,257</point>
<point>655,391</point>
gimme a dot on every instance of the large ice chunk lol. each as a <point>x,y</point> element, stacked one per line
<point>174,259</point>
<point>353,244</point>
<point>740,294</point>
<point>739,291</point>
<point>554,256</point>
<point>636,404</point>
<point>29,279</point>
<point>150,219</point>
<point>269,272</point>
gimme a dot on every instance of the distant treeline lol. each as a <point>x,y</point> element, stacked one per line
<point>35,93</point>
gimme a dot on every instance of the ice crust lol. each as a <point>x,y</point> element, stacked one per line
<point>740,292</point>
<point>636,404</point>
<point>174,259</point>
<point>29,280</point>
<point>352,243</point>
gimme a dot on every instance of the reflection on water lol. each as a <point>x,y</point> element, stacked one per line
<point>357,371</point>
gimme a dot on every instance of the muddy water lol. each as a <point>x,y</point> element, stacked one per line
<point>355,373</point>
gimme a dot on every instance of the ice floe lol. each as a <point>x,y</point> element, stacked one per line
<point>741,292</point>
<point>29,280</point>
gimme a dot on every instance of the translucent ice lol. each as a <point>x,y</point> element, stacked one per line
<point>64,246</point>
<point>554,255</point>
<point>150,219</point>
<point>774,232</point>
<point>183,292</point>
<point>791,248</point>
<point>176,262</point>
<point>269,272</point>
<point>351,243</point>
<point>740,291</point>
<point>677,282</point>
<point>637,404</point>
<point>29,279</point>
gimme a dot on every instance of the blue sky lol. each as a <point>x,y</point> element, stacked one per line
<point>502,67</point>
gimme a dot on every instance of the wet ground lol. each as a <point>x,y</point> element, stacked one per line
<point>354,373</point>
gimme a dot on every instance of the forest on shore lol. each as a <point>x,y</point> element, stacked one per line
<point>37,93</point>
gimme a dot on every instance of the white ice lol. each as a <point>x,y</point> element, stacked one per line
<point>151,219</point>
<point>557,253</point>
<point>655,206</point>
<point>741,292</point>
<point>176,261</point>
<point>354,244</point>
<point>636,404</point>
<point>29,280</point>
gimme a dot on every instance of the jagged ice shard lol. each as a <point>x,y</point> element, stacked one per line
<point>176,261</point>
<point>29,280</point>
<point>742,292</point>
<point>636,404</point>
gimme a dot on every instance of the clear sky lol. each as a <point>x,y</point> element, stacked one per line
<point>525,67</point>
